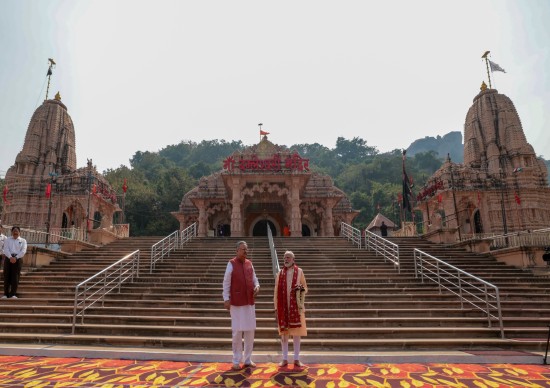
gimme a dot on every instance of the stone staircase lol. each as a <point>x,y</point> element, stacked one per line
<point>356,301</point>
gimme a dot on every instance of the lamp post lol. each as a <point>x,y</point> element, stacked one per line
<point>53,176</point>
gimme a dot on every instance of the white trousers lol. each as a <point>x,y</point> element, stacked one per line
<point>237,341</point>
<point>295,342</point>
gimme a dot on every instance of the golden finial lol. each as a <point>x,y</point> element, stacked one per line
<point>483,86</point>
<point>58,96</point>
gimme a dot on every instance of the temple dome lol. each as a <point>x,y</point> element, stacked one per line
<point>49,141</point>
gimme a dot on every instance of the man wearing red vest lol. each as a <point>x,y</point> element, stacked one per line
<point>240,287</point>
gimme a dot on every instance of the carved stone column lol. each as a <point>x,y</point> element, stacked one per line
<point>328,219</point>
<point>203,219</point>
<point>236,213</point>
<point>295,215</point>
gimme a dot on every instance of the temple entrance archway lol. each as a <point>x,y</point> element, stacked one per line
<point>259,226</point>
<point>478,226</point>
<point>305,230</point>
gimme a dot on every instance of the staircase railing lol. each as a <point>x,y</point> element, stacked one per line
<point>273,251</point>
<point>173,241</point>
<point>380,245</point>
<point>469,288</point>
<point>188,234</point>
<point>93,290</point>
<point>163,248</point>
<point>351,233</point>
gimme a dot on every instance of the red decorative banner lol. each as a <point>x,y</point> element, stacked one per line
<point>430,191</point>
<point>293,163</point>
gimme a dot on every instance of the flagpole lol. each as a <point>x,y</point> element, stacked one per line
<point>486,57</point>
<point>260,125</point>
<point>52,64</point>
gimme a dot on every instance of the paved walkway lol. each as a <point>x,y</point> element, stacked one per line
<point>41,371</point>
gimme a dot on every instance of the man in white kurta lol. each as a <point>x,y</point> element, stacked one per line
<point>240,287</point>
<point>294,323</point>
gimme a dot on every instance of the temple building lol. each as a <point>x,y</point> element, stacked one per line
<point>44,189</point>
<point>500,188</point>
<point>265,184</point>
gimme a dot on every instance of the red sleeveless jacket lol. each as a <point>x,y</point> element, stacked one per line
<point>242,283</point>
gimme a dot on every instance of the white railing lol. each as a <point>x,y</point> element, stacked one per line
<point>351,233</point>
<point>188,234</point>
<point>469,288</point>
<point>173,241</point>
<point>56,235</point>
<point>536,238</point>
<point>273,251</point>
<point>163,248</point>
<point>93,290</point>
<point>380,245</point>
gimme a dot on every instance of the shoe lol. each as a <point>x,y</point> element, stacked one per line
<point>13,297</point>
<point>283,363</point>
<point>4,297</point>
<point>298,364</point>
<point>250,365</point>
<point>236,367</point>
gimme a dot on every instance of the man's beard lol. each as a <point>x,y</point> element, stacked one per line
<point>288,265</point>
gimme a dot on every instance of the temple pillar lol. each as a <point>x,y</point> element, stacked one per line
<point>236,212</point>
<point>203,219</point>
<point>295,215</point>
<point>328,219</point>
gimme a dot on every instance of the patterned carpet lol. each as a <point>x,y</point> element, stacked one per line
<point>23,371</point>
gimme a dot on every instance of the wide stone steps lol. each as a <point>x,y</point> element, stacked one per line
<point>356,301</point>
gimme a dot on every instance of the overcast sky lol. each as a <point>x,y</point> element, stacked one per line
<point>140,75</point>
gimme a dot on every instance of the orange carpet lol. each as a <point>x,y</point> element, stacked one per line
<point>23,371</point>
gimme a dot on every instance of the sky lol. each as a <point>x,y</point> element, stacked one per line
<point>139,75</point>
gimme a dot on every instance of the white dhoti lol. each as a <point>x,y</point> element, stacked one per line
<point>243,324</point>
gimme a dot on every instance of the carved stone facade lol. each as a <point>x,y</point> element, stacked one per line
<point>265,185</point>
<point>44,183</point>
<point>502,186</point>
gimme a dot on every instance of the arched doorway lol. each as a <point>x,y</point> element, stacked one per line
<point>306,232</point>
<point>478,226</point>
<point>260,228</point>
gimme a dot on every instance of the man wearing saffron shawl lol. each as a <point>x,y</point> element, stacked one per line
<point>240,287</point>
<point>290,290</point>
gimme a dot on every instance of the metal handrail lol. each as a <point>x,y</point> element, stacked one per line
<point>102,283</point>
<point>351,233</point>
<point>173,241</point>
<point>462,284</point>
<point>273,251</point>
<point>188,234</point>
<point>380,245</point>
<point>163,248</point>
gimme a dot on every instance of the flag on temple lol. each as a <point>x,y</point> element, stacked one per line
<point>262,133</point>
<point>439,198</point>
<point>517,198</point>
<point>48,190</point>
<point>496,67</point>
<point>94,189</point>
<point>407,194</point>
<point>5,195</point>
<point>124,186</point>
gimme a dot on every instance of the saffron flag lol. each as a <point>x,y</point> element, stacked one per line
<point>496,67</point>
<point>124,186</point>
<point>263,133</point>
<point>48,190</point>
<point>517,198</point>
